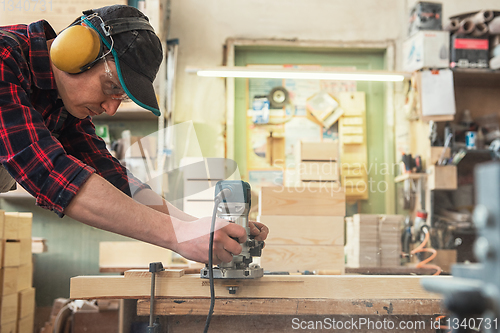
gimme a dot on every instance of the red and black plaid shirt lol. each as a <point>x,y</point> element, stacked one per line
<point>51,169</point>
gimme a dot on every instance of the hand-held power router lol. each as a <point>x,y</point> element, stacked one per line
<point>233,201</point>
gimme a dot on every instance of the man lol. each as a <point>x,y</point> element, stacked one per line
<point>48,142</point>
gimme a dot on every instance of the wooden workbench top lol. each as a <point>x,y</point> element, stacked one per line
<point>173,283</point>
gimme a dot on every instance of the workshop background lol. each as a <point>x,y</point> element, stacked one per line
<point>214,117</point>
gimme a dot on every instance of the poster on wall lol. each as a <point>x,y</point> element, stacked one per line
<point>293,122</point>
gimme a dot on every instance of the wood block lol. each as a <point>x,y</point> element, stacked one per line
<point>26,324</point>
<point>8,327</point>
<point>38,245</point>
<point>443,177</point>
<point>298,230</point>
<point>355,129</point>
<point>25,256</point>
<point>25,277</point>
<point>11,226</point>
<point>26,303</point>
<point>8,309</point>
<point>132,254</point>
<point>25,224</point>
<point>354,156</point>
<point>318,151</point>
<point>8,278</point>
<point>293,258</point>
<point>322,171</point>
<point>353,102</point>
<point>302,201</point>
<point>11,253</point>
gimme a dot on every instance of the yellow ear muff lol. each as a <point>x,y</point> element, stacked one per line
<point>74,48</point>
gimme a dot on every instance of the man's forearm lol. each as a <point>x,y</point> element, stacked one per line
<point>152,199</point>
<point>101,205</point>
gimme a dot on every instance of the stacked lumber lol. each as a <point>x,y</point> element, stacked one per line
<point>306,229</point>
<point>17,310</point>
<point>373,240</point>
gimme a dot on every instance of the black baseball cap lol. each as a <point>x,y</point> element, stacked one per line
<point>135,47</point>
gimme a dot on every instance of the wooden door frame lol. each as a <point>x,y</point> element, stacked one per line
<point>387,46</point>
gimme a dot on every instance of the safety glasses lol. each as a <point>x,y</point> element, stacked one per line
<point>111,85</point>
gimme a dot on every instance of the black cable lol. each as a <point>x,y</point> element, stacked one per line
<point>210,267</point>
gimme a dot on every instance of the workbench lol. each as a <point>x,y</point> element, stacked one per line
<point>269,304</point>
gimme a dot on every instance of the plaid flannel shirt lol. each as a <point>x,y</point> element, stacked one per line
<point>47,151</point>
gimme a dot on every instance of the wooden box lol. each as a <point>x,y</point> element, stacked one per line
<point>11,226</point>
<point>8,309</point>
<point>435,154</point>
<point>301,201</point>
<point>26,303</point>
<point>25,277</point>
<point>299,230</point>
<point>8,280</point>
<point>442,177</point>
<point>11,253</point>
<point>24,225</point>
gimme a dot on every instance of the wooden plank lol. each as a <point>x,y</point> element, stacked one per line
<point>25,277</point>
<point>11,226</point>
<point>318,151</point>
<point>11,253</point>
<point>353,102</point>
<point>322,171</point>
<point>292,286</point>
<point>298,230</point>
<point>168,273</point>
<point>25,225</point>
<point>132,254</point>
<point>8,280</point>
<point>302,201</point>
<point>8,327</point>
<point>26,303</point>
<point>285,306</point>
<point>8,309</point>
<point>26,324</point>
<point>300,258</point>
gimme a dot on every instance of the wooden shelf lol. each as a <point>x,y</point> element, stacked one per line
<point>406,176</point>
<point>476,77</point>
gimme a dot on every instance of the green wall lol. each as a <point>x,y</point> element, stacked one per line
<point>375,95</point>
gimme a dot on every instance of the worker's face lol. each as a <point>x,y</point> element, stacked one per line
<point>88,93</point>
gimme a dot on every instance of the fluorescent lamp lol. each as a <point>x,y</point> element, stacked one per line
<point>299,73</point>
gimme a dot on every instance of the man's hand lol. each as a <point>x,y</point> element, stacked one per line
<point>193,240</point>
<point>258,230</point>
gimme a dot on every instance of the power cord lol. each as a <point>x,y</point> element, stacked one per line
<point>211,268</point>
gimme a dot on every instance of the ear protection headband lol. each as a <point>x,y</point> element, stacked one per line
<point>79,47</point>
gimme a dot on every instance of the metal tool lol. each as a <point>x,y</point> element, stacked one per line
<point>233,201</point>
<point>446,145</point>
<point>154,324</point>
